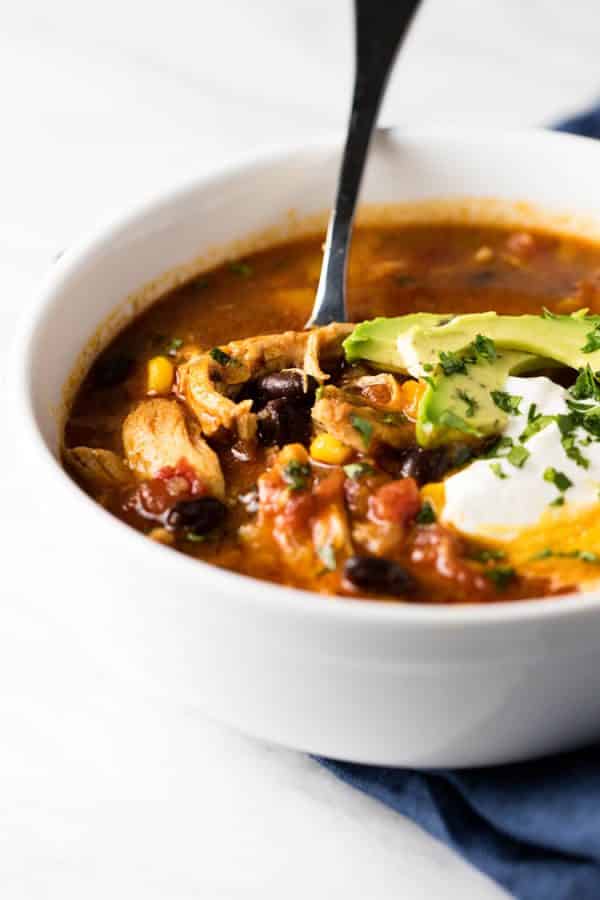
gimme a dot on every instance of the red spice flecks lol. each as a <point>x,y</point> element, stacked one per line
<point>183,470</point>
<point>397,501</point>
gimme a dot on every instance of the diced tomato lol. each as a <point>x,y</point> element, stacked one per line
<point>184,470</point>
<point>397,501</point>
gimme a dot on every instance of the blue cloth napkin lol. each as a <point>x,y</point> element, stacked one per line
<point>534,827</point>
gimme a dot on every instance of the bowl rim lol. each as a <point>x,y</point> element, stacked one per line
<point>274,598</point>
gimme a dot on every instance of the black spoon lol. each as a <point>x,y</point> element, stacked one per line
<point>380,27</point>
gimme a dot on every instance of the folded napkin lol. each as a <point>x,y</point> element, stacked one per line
<point>534,827</point>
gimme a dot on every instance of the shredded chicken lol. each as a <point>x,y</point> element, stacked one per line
<point>358,425</point>
<point>156,434</point>
<point>97,468</point>
<point>306,526</point>
<point>210,383</point>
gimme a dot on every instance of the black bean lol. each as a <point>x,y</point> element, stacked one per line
<point>282,422</point>
<point>379,575</point>
<point>110,371</point>
<point>286,385</point>
<point>198,516</point>
<point>426,465</point>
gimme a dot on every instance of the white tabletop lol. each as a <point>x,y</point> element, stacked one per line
<point>105,792</point>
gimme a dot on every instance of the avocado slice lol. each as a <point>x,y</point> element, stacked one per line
<point>471,405</point>
<point>466,359</point>
<point>413,343</point>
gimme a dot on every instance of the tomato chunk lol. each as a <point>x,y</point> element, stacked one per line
<point>397,501</point>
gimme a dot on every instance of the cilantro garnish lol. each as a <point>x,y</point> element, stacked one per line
<point>558,501</point>
<point>481,348</point>
<point>501,576</point>
<point>518,456</point>
<point>508,403</point>
<point>240,268</point>
<point>452,363</point>
<point>586,386</point>
<point>470,402</point>
<point>220,357</point>
<point>560,481</point>
<point>295,474</point>
<point>173,346</point>
<point>364,428</point>
<point>592,340</point>
<point>591,421</point>
<point>358,470</point>
<point>498,470</point>
<point>326,554</point>
<point>584,555</point>
<point>426,515</point>
<point>487,555</point>
<point>484,347</point>
<point>535,422</point>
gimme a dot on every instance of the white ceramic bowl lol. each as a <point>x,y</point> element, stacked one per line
<point>364,681</point>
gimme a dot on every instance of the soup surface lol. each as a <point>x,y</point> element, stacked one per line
<point>283,457</point>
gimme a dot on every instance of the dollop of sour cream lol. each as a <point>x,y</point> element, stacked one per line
<point>496,498</point>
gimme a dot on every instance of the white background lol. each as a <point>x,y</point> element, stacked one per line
<point>103,791</point>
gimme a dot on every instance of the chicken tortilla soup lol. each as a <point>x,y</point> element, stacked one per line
<point>444,448</point>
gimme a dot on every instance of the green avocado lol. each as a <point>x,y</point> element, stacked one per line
<point>472,405</point>
<point>466,359</point>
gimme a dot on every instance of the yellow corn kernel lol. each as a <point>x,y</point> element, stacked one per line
<point>327,449</point>
<point>160,375</point>
<point>292,453</point>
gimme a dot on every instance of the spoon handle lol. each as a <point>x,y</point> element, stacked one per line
<point>380,27</point>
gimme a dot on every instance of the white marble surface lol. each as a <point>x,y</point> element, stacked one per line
<point>106,792</point>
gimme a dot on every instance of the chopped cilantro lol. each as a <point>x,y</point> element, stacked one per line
<point>558,501</point>
<point>326,553</point>
<point>427,367</point>
<point>240,268</point>
<point>518,456</point>
<point>501,576</point>
<point>535,423</point>
<point>487,555</point>
<point>573,452</point>
<point>358,470</point>
<point>558,479</point>
<point>364,428</point>
<point>296,474</point>
<point>172,346</point>
<point>592,340</point>
<point>586,386</point>
<point>583,555</point>
<point>591,421</point>
<point>452,363</point>
<point>508,403</point>
<point>220,357</point>
<point>484,347</point>
<point>498,470</point>
<point>470,402</point>
<point>426,514</point>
